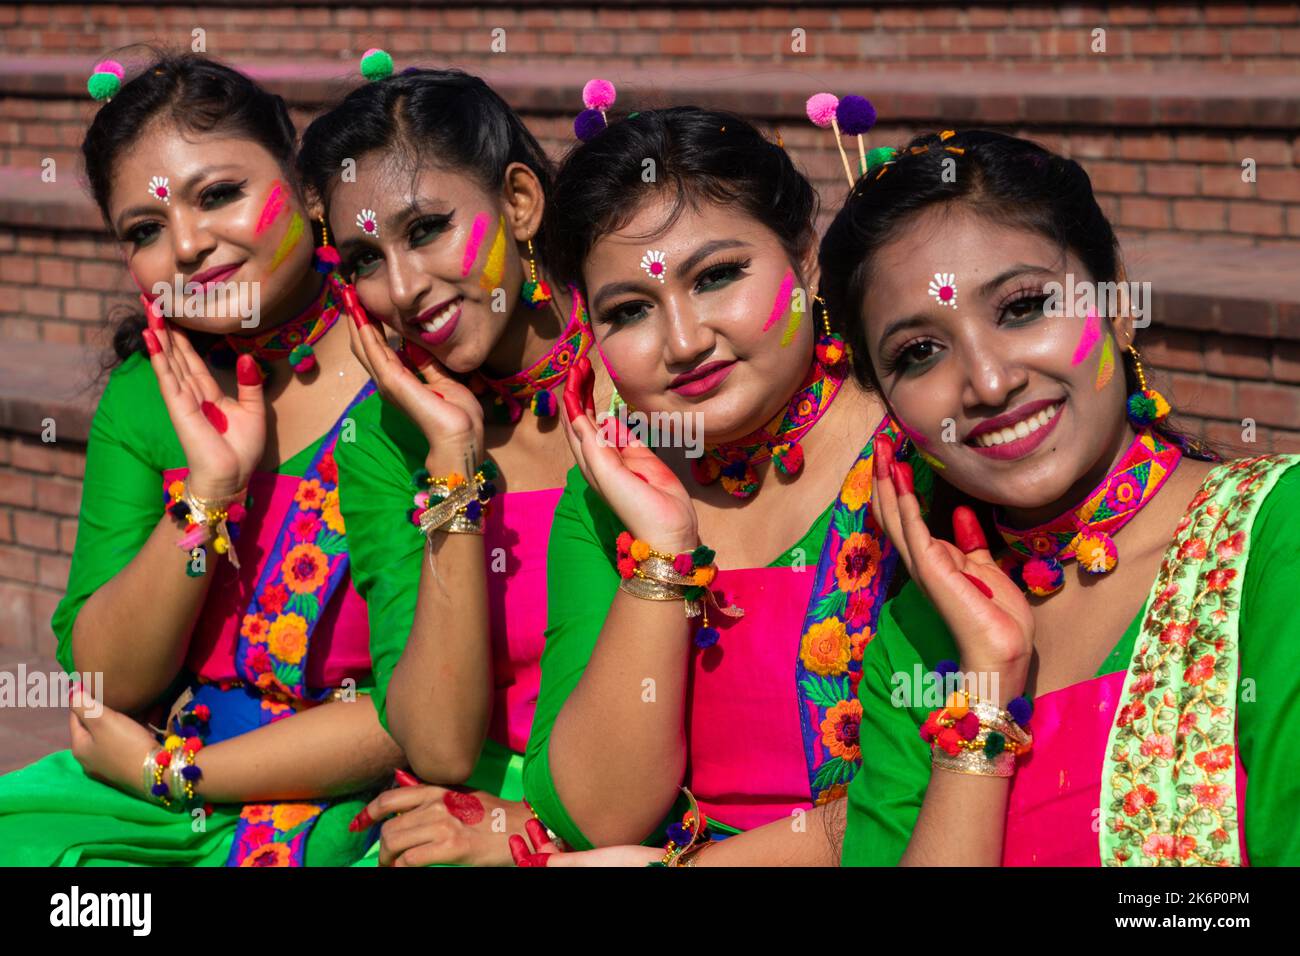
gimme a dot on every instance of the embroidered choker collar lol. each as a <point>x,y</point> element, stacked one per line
<point>532,386</point>
<point>1085,532</point>
<point>293,339</point>
<point>779,439</point>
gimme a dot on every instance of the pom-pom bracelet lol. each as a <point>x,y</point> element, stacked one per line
<point>655,576</point>
<point>205,518</point>
<point>687,837</point>
<point>169,773</point>
<point>453,503</point>
<point>975,736</point>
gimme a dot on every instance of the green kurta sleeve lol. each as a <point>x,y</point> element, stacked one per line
<point>581,583</point>
<point>386,550</point>
<point>131,443</point>
<point>1268,701</point>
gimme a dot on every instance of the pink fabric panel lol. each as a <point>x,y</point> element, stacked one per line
<point>745,747</point>
<point>1056,791</point>
<point>518,523</point>
<point>340,645</point>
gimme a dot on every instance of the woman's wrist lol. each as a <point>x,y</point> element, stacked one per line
<point>204,486</point>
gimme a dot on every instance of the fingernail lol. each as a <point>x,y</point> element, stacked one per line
<point>572,399</point>
<point>214,415</point>
<point>518,850</point>
<point>966,530</point>
<point>354,308</point>
<point>361,821</point>
<point>405,779</point>
<point>984,588</point>
<point>247,372</point>
<point>902,473</point>
<point>151,313</point>
<point>151,342</point>
<point>536,833</point>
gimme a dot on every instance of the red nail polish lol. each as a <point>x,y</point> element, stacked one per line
<point>572,397</point>
<point>247,372</point>
<point>151,342</point>
<point>518,850</point>
<point>902,473</point>
<point>361,821</point>
<point>353,306</point>
<point>536,833</point>
<point>983,588</point>
<point>966,530</point>
<point>405,779</point>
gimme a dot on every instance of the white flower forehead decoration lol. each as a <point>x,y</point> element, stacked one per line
<point>159,189</point>
<point>653,263</point>
<point>944,289</point>
<point>368,223</point>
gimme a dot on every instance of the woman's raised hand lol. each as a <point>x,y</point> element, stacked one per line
<point>223,438</point>
<point>645,494</point>
<point>411,378</point>
<point>986,612</point>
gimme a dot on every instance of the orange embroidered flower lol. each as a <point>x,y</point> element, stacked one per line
<point>1230,547</point>
<point>831,794</point>
<point>1168,846</point>
<point>289,637</point>
<point>286,816</point>
<point>268,854</point>
<point>309,495</point>
<point>305,568</point>
<point>1220,579</point>
<point>1192,550</point>
<point>1201,670</point>
<point>1131,712</point>
<point>331,513</point>
<point>256,812</point>
<point>255,628</point>
<point>275,707</point>
<point>857,561</point>
<point>858,644</point>
<point>856,490</point>
<point>1157,745</point>
<point>825,648</point>
<point>1215,759</point>
<point>840,730</point>
<point>1210,794</point>
<point>1177,634</point>
<point>1138,799</point>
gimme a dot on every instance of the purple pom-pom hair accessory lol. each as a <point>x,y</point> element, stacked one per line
<point>589,124</point>
<point>856,116</point>
<point>821,108</point>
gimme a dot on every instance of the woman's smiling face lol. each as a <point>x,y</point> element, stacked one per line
<point>992,390</point>
<point>721,335</point>
<point>209,208</point>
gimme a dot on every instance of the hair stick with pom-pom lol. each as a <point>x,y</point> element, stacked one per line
<point>856,116</point>
<point>821,109</point>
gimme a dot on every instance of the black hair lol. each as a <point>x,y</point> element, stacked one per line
<point>447,118</point>
<point>1005,178</point>
<point>699,154</point>
<point>197,94</point>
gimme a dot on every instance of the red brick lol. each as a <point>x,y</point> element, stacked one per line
<point>1171,179</point>
<point>18,564</point>
<point>59,497</point>
<point>1151,42</point>
<point>1236,358</point>
<point>1227,13</point>
<point>52,570</point>
<point>30,454</point>
<point>1200,215</point>
<point>1115,177</point>
<point>1278,185</point>
<point>6,526</point>
<point>1286,361</point>
<point>67,535</point>
<point>72,460</point>
<point>34,530</point>
<point>1226,436</point>
<point>1198,395</point>
<point>83,306</point>
<point>1255,218</point>
<point>1173,349</point>
<point>16,616</point>
<point>16,489</point>
<point>1264,150</point>
<point>1199,43</point>
<point>1210,149</point>
<point>1285,442</point>
<point>1144,213</point>
<point>1146,146</point>
<point>1269,403</point>
<point>1252,42</point>
<point>1226,181</point>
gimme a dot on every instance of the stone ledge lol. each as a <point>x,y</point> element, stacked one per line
<point>40,380</point>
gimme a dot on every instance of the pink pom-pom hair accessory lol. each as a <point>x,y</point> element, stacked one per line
<point>598,95</point>
<point>821,109</point>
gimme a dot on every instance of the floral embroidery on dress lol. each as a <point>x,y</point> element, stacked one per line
<point>1171,757</point>
<point>856,562</point>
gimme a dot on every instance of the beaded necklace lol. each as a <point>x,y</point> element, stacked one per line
<point>779,439</point>
<point>1085,532</point>
<point>533,385</point>
<point>293,339</point>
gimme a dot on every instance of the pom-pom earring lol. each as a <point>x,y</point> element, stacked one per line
<point>1146,406</point>
<point>831,350</point>
<point>327,258</point>
<point>535,292</point>
<point>106,80</point>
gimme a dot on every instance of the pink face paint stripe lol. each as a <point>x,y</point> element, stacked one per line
<point>782,300</point>
<point>476,233</point>
<point>275,205</point>
<point>1089,338</point>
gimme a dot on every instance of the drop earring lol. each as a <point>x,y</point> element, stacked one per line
<point>535,292</point>
<point>1145,406</point>
<point>327,258</point>
<point>831,350</point>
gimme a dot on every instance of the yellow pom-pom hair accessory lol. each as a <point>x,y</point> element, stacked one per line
<point>106,80</point>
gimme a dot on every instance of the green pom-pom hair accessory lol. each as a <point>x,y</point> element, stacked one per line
<point>106,80</point>
<point>879,156</point>
<point>376,64</point>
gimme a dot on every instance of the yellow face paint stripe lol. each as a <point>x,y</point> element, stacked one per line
<point>791,328</point>
<point>291,237</point>
<point>1106,368</point>
<point>495,267</point>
